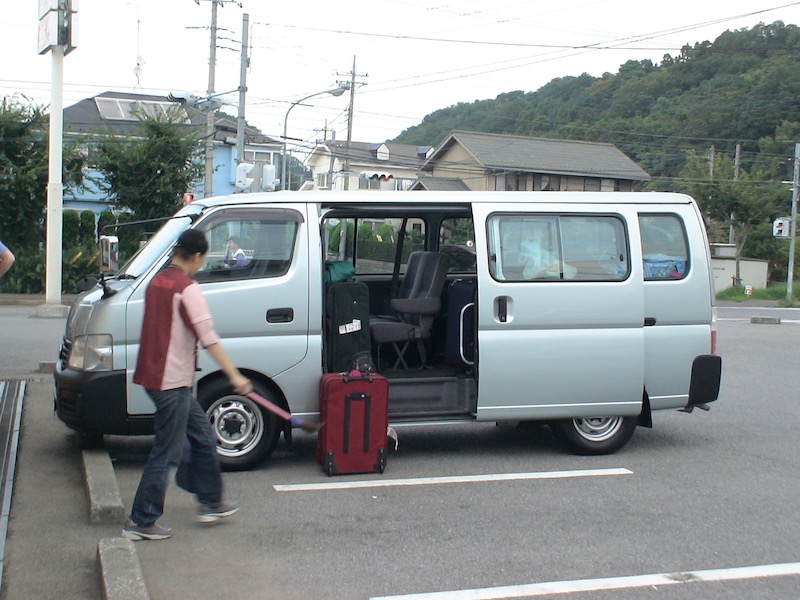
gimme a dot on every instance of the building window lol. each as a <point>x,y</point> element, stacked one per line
<point>547,183</point>
<point>591,184</point>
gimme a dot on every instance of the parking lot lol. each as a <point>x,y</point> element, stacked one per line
<point>704,505</point>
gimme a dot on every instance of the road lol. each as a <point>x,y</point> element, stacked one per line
<point>707,494</point>
<point>704,491</point>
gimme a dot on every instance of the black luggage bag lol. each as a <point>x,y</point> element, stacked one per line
<point>346,324</point>
<point>461,323</point>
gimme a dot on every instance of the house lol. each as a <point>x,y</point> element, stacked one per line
<point>490,161</point>
<point>117,114</point>
<point>365,166</point>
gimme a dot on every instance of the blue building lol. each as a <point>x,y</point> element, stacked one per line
<point>117,114</point>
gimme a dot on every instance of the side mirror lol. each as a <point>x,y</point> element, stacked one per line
<point>109,254</point>
<point>86,282</point>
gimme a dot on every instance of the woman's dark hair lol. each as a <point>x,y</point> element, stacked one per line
<point>191,242</point>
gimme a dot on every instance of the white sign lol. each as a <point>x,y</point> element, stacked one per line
<point>48,32</point>
<point>45,6</point>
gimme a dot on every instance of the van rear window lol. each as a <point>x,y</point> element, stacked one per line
<point>532,247</point>
<point>665,253</point>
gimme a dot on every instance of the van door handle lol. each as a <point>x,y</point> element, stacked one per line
<point>649,321</point>
<point>502,309</point>
<point>280,315</point>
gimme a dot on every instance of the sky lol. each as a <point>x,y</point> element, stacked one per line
<point>411,57</point>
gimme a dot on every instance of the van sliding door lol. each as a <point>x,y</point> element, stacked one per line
<point>560,312</point>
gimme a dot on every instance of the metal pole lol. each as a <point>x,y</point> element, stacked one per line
<point>334,92</point>
<point>795,178</point>
<point>55,188</point>
<point>208,181</point>
<point>240,122</point>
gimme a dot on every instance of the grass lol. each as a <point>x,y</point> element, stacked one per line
<point>777,293</point>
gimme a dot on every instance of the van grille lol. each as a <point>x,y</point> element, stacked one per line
<point>63,353</point>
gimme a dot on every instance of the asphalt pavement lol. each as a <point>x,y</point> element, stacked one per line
<point>58,545</point>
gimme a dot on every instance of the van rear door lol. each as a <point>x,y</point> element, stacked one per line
<point>561,310</point>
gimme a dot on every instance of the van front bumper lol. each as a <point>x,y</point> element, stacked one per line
<point>96,403</point>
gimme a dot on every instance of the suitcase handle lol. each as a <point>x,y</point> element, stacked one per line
<point>348,399</point>
<point>360,377</point>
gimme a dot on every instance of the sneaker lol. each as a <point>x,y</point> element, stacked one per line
<point>208,513</point>
<point>135,532</point>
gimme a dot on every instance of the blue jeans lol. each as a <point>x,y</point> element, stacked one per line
<point>178,417</point>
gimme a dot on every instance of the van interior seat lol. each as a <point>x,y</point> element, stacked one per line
<point>416,305</point>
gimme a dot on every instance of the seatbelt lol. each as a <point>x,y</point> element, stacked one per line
<point>398,258</point>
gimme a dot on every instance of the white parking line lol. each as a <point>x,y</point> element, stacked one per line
<point>375,483</point>
<point>610,583</point>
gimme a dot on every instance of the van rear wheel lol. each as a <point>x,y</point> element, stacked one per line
<point>595,435</point>
<point>246,434</point>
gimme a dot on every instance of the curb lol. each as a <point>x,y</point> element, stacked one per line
<point>766,320</point>
<point>120,571</point>
<point>121,575</point>
<point>105,501</point>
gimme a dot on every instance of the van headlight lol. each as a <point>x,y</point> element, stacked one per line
<point>92,352</point>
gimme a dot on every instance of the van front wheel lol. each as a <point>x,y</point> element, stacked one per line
<point>246,434</point>
<point>593,436</point>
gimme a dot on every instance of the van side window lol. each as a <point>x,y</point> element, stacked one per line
<point>370,243</point>
<point>457,240</point>
<point>533,247</point>
<point>249,244</point>
<point>665,253</point>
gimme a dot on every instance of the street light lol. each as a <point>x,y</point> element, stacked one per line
<point>337,91</point>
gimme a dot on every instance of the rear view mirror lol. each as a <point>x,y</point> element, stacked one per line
<point>109,249</point>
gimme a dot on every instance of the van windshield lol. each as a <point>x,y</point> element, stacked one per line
<point>155,247</point>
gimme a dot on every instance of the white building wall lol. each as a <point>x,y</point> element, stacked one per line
<point>752,272</point>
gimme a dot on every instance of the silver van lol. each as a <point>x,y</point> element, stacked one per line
<point>586,311</point>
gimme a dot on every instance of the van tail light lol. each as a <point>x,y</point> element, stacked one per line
<point>713,330</point>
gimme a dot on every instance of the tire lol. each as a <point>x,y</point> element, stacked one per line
<point>594,436</point>
<point>246,434</point>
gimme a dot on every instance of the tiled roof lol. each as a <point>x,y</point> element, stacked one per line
<point>541,155</point>
<point>440,184</point>
<point>84,117</point>
<point>404,155</point>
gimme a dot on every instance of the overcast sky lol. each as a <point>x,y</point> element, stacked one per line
<point>412,57</point>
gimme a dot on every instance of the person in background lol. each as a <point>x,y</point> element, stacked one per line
<point>6,259</point>
<point>176,318</point>
<point>235,257</point>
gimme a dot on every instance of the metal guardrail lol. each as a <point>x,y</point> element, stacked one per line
<point>12,393</point>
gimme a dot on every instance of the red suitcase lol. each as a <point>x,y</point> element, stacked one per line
<point>354,416</point>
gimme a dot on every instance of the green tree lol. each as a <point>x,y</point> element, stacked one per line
<point>148,175</point>
<point>739,200</point>
<point>23,188</point>
<point>24,175</point>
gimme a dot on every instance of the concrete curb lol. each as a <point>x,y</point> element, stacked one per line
<point>120,571</point>
<point>766,320</point>
<point>105,501</point>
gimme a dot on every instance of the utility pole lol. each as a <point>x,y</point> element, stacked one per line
<point>245,62</point>
<point>736,162</point>
<point>350,126</point>
<point>208,180</point>
<point>793,228</point>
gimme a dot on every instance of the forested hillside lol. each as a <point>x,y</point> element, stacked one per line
<point>740,88</point>
<point>680,120</point>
